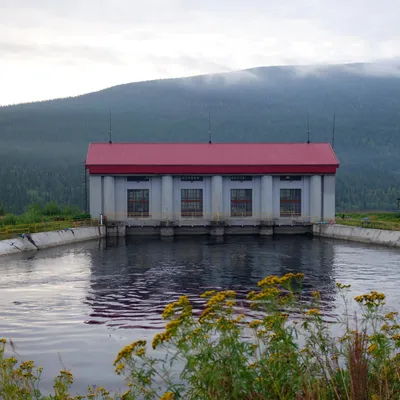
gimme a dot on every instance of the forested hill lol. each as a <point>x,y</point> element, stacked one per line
<point>43,145</point>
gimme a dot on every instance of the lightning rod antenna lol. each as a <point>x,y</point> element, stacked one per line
<point>109,132</point>
<point>209,127</point>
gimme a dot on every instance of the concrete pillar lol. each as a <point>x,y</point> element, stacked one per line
<point>217,231</point>
<point>167,198</point>
<point>266,198</point>
<point>315,198</point>
<point>109,197</point>
<point>216,198</point>
<point>95,196</point>
<point>167,231</point>
<point>329,197</point>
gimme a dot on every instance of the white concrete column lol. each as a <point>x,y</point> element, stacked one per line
<point>266,197</point>
<point>315,198</point>
<point>167,198</point>
<point>216,198</point>
<point>109,197</point>
<point>329,197</point>
<point>95,196</point>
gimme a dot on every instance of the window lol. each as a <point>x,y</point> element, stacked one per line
<point>191,178</point>
<point>290,202</point>
<point>192,202</point>
<point>241,202</point>
<point>241,178</point>
<point>291,178</point>
<point>138,203</point>
<point>138,178</point>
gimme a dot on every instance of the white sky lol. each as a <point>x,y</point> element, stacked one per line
<point>57,48</point>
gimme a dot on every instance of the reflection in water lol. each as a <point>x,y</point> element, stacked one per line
<point>133,279</point>
<point>88,300</point>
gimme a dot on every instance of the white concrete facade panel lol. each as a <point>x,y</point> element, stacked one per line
<point>315,198</point>
<point>266,200</point>
<point>95,195</point>
<point>329,204</point>
<point>167,199</point>
<point>109,197</point>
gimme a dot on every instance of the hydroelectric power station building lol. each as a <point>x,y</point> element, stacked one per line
<point>224,188</point>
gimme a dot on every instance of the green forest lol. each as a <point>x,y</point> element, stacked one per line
<point>43,145</point>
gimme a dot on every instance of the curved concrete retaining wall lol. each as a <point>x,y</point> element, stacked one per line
<point>43,240</point>
<point>358,234</point>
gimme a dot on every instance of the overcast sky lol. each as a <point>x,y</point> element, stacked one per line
<point>56,48</point>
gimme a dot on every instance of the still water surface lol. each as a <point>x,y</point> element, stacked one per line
<point>75,307</point>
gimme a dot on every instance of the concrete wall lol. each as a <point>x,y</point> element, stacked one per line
<point>108,195</point>
<point>329,204</point>
<point>44,240</point>
<point>358,234</point>
<point>95,195</point>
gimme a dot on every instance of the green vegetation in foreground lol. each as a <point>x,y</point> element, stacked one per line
<point>39,219</point>
<point>222,354</point>
<point>375,220</point>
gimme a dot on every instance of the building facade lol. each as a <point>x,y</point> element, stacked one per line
<point>201,184</point>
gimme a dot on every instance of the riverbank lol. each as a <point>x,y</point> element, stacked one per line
<point>43,240</point>
<point>359,234</point>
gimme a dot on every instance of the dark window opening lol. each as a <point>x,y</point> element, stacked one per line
<point>191,178</point>
<point>290,202</point>
<point>192,202</point>
<point>241,202</point>
<point>138,178</point>
<point>138,203</point>
<point>290,178</point>
<point>242,178</point>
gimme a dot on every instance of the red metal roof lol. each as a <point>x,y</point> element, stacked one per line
<point>204,158</point>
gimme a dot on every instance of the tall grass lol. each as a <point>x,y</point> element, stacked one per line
<point>289,352</point>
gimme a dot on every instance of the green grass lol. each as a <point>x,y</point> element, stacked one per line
<point>374,220</point>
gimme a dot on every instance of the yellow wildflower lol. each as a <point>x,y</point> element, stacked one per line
<point>207,313</point>
<point>316,295</point>
<point>167,396</point>
<point>230,303</point>
<point>372,347</point>
<point>342,286</point>
<point>127,350</point>
<point>119,369</point>
<point>391,316</point>
<point>372,299</point>
<point>313,311</point>
<point>3,340</point>
<point>396,337</point>
<point>140,352</point>
<point>27,365</point>
<point>209,293</point>
<point>254,324</point>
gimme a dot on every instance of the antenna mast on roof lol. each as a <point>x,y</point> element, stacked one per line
<point>209,127</point>
<point>109,132</point>
<point>333,131</point>
<point>308,128</point>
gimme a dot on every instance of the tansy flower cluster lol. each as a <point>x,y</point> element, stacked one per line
<point>373,299</point>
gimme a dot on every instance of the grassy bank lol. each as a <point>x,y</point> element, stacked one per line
<point>223,354</point>
<point>374,220</point>
<point>41,219</point>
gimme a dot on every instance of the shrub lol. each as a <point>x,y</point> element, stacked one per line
<point>2,210</point>
<point>51,209</point>
<point>9,219</point>
<point>222,354</point>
